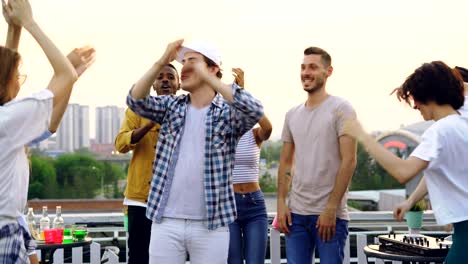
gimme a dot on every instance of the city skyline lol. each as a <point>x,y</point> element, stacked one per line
<point>374,46</point>
<point>73,132</point>
<point>108,122</point>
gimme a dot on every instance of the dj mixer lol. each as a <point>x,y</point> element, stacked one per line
<point>420,245</point>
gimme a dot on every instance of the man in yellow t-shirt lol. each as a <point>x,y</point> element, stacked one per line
<point>141,135</point>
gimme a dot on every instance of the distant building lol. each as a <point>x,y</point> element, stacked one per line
<point>108,121</point>
<point>103,149</point>
<point>73,132</point>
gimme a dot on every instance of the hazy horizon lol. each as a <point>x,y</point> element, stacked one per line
<point>374,46</point>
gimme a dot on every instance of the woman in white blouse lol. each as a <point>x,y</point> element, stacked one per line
<point>437,92</point>
<point>23,120</point>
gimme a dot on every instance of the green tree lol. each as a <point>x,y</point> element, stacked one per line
<point>74,176</point>
<point>112,174</point>
<point>42,183</point>
<point>267,184</point>
<point>271,151</point>
<point>369,175</point>
<point>78,175</point>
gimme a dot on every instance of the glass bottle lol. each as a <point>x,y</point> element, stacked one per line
<point>44,222</point>
<point>31,218</point>
<point>58,220</point>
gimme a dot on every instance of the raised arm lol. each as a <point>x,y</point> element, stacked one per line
<point>401,170</point>
<point>142,87</point>
<point>14,31</point>
<point>262,132</point>
<point>81,59</point>
<point>20,13</point>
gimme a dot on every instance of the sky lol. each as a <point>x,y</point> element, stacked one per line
<point>374,46</point>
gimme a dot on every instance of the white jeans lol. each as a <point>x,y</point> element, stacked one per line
<point>174,238</point>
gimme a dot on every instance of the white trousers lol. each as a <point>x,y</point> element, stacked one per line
<point>174,238</point>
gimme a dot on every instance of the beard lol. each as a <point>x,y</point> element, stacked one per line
<point>319,81</point>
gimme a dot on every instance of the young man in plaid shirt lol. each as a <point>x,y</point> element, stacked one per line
<point>191,201</point>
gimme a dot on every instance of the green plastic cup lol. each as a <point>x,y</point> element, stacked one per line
<point>414,219</point>
<point>67,236</point>
<point>125,221</point>
<point>79,233</point>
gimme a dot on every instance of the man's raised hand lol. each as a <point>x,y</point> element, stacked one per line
<point>82,58</point>
<point>171,52</point>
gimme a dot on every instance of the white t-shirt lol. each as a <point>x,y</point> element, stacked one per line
<point>464,109</point>
<point>131,202</point>
<point>21,121</point>
<point>187,194</point>
<point>445,146</point>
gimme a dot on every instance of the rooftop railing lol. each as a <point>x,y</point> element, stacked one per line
<point>363,226</point>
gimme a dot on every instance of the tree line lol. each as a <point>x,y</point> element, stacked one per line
<point>73,176</point>
<point>369,175</point>
<point>81,176</point>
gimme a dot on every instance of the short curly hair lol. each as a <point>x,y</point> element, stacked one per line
<point>434,81</point>
<point>463,72</point>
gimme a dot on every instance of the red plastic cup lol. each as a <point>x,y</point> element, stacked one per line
<point>53,236</point>
<point>49,236</point>
<point>58,235</point>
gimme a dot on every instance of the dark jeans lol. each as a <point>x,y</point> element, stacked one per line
<point>304,237</point>
<point>139,233</point>
<point>458,253</point>
<point>249,233</point>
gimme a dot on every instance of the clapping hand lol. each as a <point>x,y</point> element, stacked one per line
<point>171,52</point>
<point>82,58</point>
<point>17,12</point>
<point>238,74</point>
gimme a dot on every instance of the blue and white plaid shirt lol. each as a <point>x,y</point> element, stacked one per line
<point>15,244</point>
<point>225,124</point>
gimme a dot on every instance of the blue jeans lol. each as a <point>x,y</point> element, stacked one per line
<point>304,237</point>
<point>249,233</point>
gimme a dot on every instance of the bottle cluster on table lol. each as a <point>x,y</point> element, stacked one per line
<point>50,232</point>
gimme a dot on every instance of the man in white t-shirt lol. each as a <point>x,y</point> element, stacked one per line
<point>437,92</point>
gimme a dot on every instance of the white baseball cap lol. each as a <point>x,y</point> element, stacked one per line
<point>207,49</point>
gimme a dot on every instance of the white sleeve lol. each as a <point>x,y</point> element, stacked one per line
<point>430,145</point>
<point>27,118</point>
